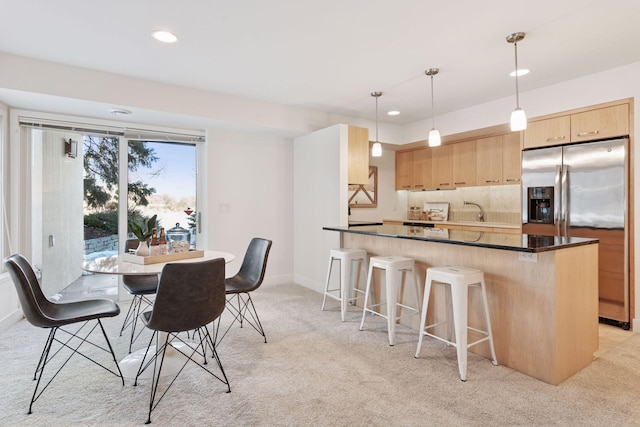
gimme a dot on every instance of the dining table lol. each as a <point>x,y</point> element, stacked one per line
<point>119,265</point>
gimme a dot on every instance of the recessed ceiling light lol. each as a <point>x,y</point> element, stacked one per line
<point>521,72</point>
<point>164,36</point>
<point>119,112</point>
<point>393,113</point>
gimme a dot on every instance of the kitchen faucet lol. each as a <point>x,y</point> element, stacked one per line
<point>481,214</point>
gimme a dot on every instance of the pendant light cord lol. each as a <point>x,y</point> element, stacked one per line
<point>433,126</point>
<point>377,118</point>
<point>515,46</point>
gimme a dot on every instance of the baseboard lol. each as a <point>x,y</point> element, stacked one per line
<point>11,319</point>
<point>278,280</point>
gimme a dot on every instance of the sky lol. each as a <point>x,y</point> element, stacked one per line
<point>178,174</point>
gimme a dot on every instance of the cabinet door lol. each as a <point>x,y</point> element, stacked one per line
<point>601,123</point>
<point>489,161</point>
<point>544,133</point>
<point>358,152</point>
<point>422,169</point>
<point>464,164</point>
<point>404,170</point>
<point>511,159</point>
<point>441,172</point>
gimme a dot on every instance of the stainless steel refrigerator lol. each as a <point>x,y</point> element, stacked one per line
<point>581,190</point>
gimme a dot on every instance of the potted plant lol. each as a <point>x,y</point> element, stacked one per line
<point>142,228</point>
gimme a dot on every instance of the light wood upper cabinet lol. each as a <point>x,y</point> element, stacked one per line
<point>441,166</point>
<point>422,169</point>
<point>489,161</point>
<point>601,123</point>
<point>358,152</point>
<point>413,169</point>
<point>463,164</point>
<point>404,170</point>
<point>544,133</point>
<point>606,122</point>
<point>511,159</point>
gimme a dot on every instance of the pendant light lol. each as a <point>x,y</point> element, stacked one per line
<point>518,117</point>
<point>376,149</point>
<point>434,134</point>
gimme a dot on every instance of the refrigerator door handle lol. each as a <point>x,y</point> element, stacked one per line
<point>565,201</point>
<point>557,200</point>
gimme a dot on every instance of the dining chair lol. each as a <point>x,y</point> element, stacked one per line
<point>58,317</point>
<point>189,297</point>
<point>141,287</point>
<point>239,287</point>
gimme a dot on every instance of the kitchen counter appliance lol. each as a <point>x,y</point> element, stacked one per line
<point>581,190</point>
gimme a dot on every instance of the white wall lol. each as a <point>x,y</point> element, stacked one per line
<point>9,306</point>
<point>252,175</point>
<point>320,199</point>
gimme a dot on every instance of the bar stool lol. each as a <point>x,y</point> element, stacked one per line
<point>460,279</point>
<point>395,268</point>
<point>346,257</point>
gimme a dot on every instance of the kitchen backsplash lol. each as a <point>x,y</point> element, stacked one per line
<point>500,203</point>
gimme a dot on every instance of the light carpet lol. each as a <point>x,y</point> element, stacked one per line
<point>317,370</point>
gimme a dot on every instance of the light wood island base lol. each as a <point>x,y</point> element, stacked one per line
<point>544,314</point>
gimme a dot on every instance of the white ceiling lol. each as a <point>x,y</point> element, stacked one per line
<point>329,55</point>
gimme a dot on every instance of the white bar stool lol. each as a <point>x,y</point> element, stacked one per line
<point>346,257</point>
<point>395,268</point>
<point>460,279</point>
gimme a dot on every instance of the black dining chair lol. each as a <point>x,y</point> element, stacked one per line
<point>239,287</point>
<point>189,297</point>
<point>58,316</point>
<point>141,287</point>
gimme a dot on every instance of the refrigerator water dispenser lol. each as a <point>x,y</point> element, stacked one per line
<point>540,205</point>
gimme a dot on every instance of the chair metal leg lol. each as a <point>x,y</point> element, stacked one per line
<point>47,355</point>
<point>242,310</point>
<point>161,348</point>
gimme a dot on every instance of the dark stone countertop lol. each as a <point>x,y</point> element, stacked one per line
<point>509,242</point>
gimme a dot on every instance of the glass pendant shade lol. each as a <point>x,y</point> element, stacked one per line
<point>434,138</point>
<point>518,120</point>
<point>376,149</point>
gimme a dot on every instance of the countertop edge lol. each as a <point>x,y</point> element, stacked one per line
<point>358,230</point>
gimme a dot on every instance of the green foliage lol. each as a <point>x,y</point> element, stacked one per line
<point>101,171</point>
<point>106,220</point>
<point>142,227</point>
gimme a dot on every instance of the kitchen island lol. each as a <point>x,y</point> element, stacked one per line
<point>542,291</point>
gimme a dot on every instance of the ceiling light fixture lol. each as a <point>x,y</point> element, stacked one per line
<point>434,134</point>
<point>518,117</point>
<point>119,112</point>
<point>164,36</point>
<point>393,113</point>
<point>376,149</point>
<point>520,73</point>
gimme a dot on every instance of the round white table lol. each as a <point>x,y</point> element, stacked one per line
<point>173,359</point>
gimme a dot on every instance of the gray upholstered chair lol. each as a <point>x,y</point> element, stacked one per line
<point>189,297</point>
<point>239,287</point>
<point>57,316</point>
<point>140,286</point>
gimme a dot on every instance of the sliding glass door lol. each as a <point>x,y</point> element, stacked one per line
<point>81,202</point>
